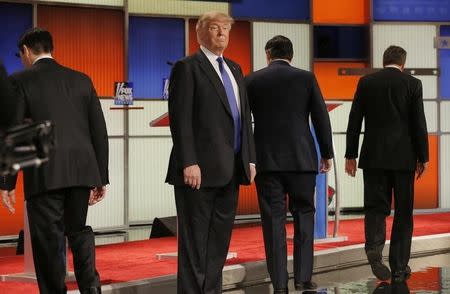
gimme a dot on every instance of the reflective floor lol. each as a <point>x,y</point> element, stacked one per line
<point>430,275</point>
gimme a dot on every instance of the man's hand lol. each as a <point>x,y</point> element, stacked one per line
<point>421,168</point>
<point>192,176</point>
<point>325,165</point>
<point>9,199</point>
<point>350,166</point>
<point>252,172</point>
<point>97,195</point>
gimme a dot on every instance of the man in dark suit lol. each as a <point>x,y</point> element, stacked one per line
<point>58,193</point>
<point>282,99</point>
<point>395,145</point>
<point>7,101</point>
<point>212,154</point>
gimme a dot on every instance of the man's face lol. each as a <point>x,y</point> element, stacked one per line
<point>215,35</point>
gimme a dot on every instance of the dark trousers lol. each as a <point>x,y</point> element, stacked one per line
<point>272,189</point>
<point>379,186</point>
<point>52,215</point>
<point>205,222</point>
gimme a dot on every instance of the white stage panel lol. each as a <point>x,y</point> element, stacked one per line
<point>139,120</point>
<point>444,195</point>
<point>114,118</point>
<point>149,196</point>
<point>430,108</point>
<point>109,213</point>
<point>445,116</point>
<point>299,34</point>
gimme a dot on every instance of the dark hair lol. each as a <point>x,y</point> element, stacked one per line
<point>37,40</point>
<point>394,55</point>
<point>279,47</point>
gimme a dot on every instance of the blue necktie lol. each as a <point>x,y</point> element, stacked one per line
<point>233,105</point>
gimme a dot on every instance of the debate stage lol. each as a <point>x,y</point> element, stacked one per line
<point>133,267</point>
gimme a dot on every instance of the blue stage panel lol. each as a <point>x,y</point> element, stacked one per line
<point>153,42</point>
<point>444,65</point>
<point>411,10</point>
<point>269,9</point>
<point>341,42</point>
<point>14,20</point>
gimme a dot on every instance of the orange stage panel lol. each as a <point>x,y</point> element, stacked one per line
<point>334,86</point>
<point>341,12</point>
<point>239,47</point>
<point>11,224</point>
<point>89,40</point>
<point>426,188</point>
<point>248,200</point>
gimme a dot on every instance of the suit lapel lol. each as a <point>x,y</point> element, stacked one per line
<point>214,79</point>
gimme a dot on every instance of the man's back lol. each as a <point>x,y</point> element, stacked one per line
<point>395,128</point>
<point>282,98</point>
<point>68,99</point>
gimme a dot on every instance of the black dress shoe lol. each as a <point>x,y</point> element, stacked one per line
<point>380,270</point>
<point>401,275</point>
<point>92,290</point>
<point>308,285</point>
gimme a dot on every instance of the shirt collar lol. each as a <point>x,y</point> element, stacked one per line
<point>48,55</point>
<point>393,66</point>
<point>211,56</point>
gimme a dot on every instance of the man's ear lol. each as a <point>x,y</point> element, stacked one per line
<point>268,58</point>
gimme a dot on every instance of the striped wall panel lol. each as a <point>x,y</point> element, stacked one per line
<point>444,199</point>
<point>114,118</point>
<point>417,40</point>
<point>445,116</point>
<point>140,119</point>
<point>14,20</point>
<point>152,43</point>
<point>110,212</point>
<point>89,40</point>
<point>339,116</point>
<point>299,34</point>
<point>117,3</point>
<point>149,195</point>
<point>444,65</point>
<point>350,189</point>
<point>175,7</point>
<point>139,233</point>
<point>430,108</point>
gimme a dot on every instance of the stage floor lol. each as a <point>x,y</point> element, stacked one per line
<point>137,260</point>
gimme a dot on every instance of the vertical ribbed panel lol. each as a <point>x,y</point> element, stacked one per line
<point>445,116</point>
<point>14,20</point>
<point>89,40</point>
<point>114,118</point>
<point>117,3</point>
<point>139,233</point>
<point>139,120</point>
<point>269,9</point>
<point>175,7</point>
<point>444,65</point>
<point>105,239</point>
<point>351,190</point>
<point>299,34</point>
<point>152,43</point>
<point>411,10</point>
<point>109,213</point>
<point>417,40</point>
<point>149,195</point>
<point>444,199</point>
<point>430,108</point>
<point>339,116</point>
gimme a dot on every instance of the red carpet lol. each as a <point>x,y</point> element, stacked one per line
<point>137,260</point>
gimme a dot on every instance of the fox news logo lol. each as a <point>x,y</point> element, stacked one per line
<point>124,93</point>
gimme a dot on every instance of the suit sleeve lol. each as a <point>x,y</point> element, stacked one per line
<point>354,124</point>
<point>99,135</point>
<point>181,104</point>
<point>419,124</point>
<point>7,99</point>
<point>321,121</point>
<point>248,120</point>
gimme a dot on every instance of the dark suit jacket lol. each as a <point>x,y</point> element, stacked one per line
<point>395,136</point>
<point>201,123</point>
<point>49,91</point>
<point>7,101</point>
<point>282,98</point>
